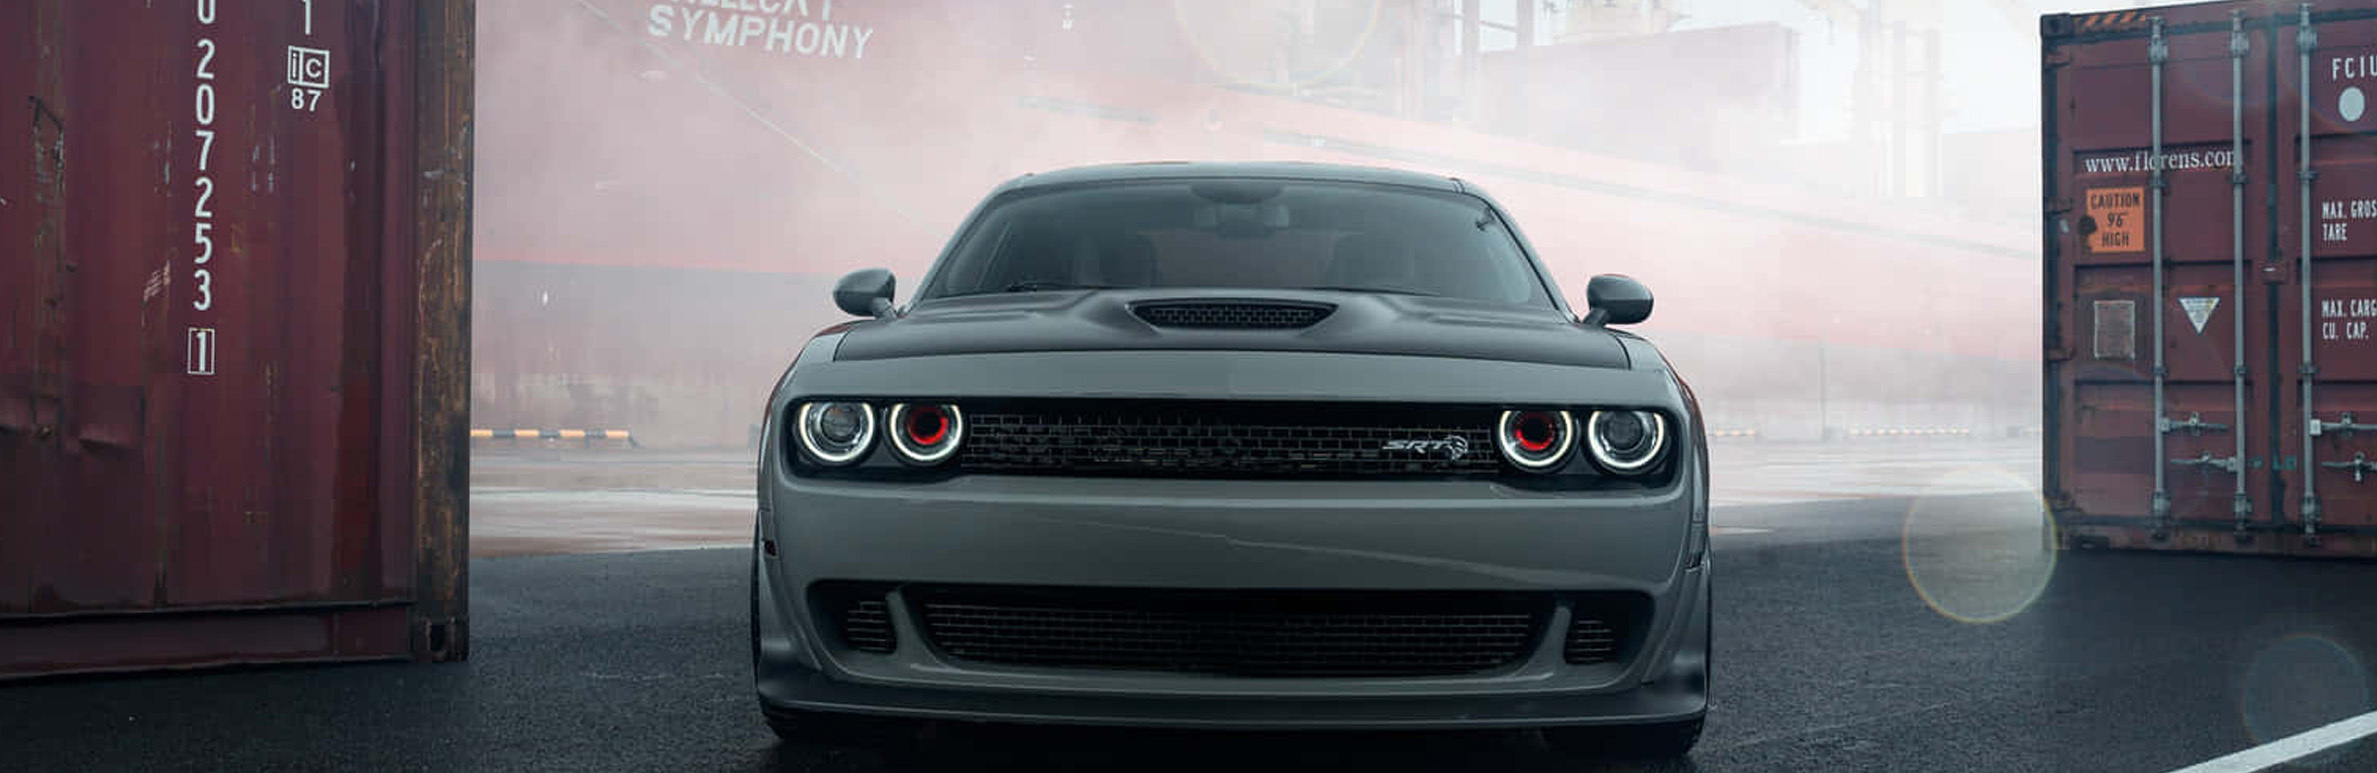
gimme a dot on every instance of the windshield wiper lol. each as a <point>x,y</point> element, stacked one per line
<point>1041,285</point>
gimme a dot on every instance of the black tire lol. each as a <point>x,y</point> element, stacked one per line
<point>754,616</point>
<point>1664,741</point>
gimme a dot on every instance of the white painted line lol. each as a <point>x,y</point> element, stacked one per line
<point>1724,530</point>
<point>2290,748</point>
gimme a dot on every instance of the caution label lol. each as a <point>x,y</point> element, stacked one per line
<point>2199,310</point>
<point>2120,216</point>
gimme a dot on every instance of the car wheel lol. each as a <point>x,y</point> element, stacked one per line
<point>1664,741</point>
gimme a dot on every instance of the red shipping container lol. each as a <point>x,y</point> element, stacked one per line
<point>233,342</point>
<point>2211,277</point>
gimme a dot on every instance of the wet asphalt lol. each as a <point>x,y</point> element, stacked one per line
<point>1828,658</point>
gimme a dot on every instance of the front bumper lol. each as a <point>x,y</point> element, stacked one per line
<point>1379,536</point>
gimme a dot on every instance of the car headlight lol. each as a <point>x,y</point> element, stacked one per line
<point>836,432</point>
<point>1626,441</point>
<point>1535,441</point>
<point>926,433</point>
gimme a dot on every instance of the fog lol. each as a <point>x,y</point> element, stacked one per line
<point>1837,219</point>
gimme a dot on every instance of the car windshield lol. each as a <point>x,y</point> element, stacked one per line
<point>1255,234</point>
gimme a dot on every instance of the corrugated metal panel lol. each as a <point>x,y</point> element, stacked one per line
<point>230,377</point>
<point>2230,461</point>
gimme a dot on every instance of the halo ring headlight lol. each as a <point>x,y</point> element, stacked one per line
<point>1648,434</point>
<point>1535,441</point>
<point>927,433</point>
<point>836,432</point>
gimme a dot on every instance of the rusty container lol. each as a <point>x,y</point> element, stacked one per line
<point>2211,277</point>
<point>234,336</point>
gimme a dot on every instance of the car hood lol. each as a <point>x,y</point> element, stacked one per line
<point>1360,323</point>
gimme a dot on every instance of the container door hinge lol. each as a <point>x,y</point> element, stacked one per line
<point>2194,424</point>
<point>2345,427</point>
<point>2162,515</point>
<point>2311,519</point>
<point>440,640</point>
<point>2360,466</point>
<point>2223,463</point>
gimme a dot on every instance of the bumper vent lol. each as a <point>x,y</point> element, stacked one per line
<point>1222,440</point>
<point>864,622</point>
<point>1237,315</point>
<point>1591,640</point>
<point>1254,634</point>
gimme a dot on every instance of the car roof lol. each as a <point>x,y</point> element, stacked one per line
<point>1272,170</point>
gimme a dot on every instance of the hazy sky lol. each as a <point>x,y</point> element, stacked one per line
<point>1990,65</point>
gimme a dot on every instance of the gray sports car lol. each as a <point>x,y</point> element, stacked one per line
<point>1236,446</point>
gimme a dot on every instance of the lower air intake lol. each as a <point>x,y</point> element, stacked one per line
<point>1236,633</point>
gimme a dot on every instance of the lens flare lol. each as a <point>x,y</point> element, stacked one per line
<point>2301,682</point>
<point>1978,557</point>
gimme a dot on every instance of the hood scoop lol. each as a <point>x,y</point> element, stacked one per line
<point>1232,314</point>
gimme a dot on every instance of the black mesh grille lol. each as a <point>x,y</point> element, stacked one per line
<point>1232,315</point>
<point>1223,440</point>
<point>1591,639</point>
<point>1260,634</point>
<point>865,622</point>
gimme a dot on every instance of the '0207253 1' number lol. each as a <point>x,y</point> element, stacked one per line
<point>201,210</point>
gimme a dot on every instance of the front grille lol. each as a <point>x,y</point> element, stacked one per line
<point>1232,315</point>
<point>1223,440</point>
<point>1251,633</point>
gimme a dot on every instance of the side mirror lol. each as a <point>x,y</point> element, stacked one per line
<point>865,292</point>
<point>1616,299</point>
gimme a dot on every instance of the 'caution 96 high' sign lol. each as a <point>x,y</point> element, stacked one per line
<point>2119,215</point>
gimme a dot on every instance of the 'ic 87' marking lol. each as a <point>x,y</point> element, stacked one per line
<point>309,69</point>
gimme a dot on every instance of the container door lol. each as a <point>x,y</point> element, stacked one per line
<point>2159,154</point>
<point>2327,91</point>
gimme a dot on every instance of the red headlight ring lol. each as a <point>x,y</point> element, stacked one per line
<point>1535,456</point>
<point>918,440</point>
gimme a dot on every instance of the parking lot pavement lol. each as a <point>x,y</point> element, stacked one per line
<point>1750,472</point>
<point>1828,658</point>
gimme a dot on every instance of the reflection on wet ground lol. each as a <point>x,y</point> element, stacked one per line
<point>570,500</point>
<point>1828,659</point>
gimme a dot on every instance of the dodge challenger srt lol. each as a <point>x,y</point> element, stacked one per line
<point>1236,446</point>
